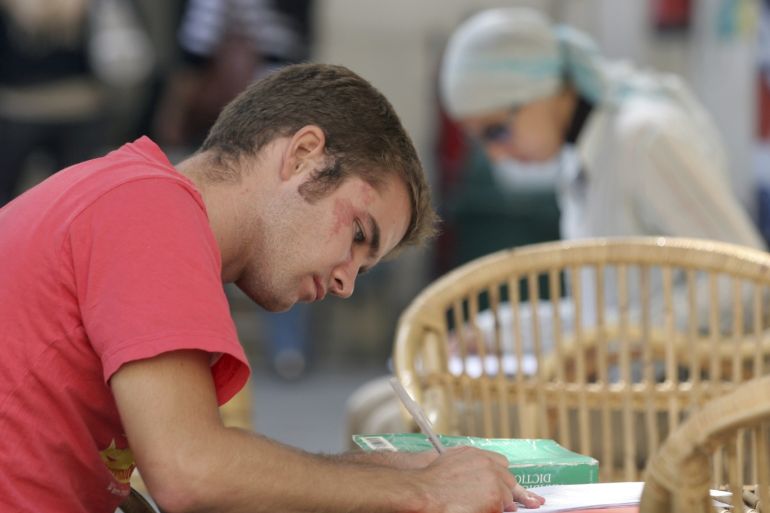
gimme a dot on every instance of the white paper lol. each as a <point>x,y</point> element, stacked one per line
<point>582,496</point>
<point>596,495</point>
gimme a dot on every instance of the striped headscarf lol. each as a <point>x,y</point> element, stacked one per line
<point>511,56</point>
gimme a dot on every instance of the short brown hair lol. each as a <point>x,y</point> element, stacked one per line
<point>364,136</point>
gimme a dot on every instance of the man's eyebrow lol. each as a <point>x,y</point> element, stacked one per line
<point>374,241</point>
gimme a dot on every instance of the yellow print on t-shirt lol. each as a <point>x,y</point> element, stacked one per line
<point>119,461</point>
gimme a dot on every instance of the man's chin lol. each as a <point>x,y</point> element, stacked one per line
<point>275,306</point>
<point>271,304</point>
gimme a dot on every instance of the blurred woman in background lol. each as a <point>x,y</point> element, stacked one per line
<point>649,158</point>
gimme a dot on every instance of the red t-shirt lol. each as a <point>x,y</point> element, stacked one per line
<point>106,262</point>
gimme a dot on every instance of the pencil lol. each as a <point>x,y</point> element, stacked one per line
<point>417,414</point>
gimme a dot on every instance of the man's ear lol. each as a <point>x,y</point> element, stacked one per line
<point>306,147</point>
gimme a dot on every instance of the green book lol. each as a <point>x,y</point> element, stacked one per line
<point>534,462</point>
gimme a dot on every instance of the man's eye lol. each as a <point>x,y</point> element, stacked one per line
<point>359,236</point>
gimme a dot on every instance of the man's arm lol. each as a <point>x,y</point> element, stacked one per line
<point>190,461</point>
<point>402,460</point>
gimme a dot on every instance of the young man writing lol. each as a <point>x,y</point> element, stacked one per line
<point>116,332</point>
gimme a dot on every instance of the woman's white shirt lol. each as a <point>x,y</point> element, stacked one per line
<point>644,167</point>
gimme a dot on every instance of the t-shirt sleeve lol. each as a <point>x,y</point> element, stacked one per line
<point>147,272</point>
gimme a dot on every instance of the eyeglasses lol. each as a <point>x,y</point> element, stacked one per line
<point>499,131</point>
<point>495,133</point>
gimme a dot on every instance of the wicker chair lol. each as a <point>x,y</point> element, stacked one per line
<point>727,441</point>
<point>627,337</point>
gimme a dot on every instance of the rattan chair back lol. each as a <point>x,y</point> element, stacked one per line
<point>618,340</point>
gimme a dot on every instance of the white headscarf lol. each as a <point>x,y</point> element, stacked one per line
<point>511,56</point>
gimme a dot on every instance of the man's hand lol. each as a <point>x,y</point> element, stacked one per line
<point>469,480</point>
<point>527,498</point>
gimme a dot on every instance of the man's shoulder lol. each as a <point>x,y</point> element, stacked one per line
<point>141,161</point>
<point>131,175</point>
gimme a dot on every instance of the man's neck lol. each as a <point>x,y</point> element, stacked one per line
<point>222,209</point>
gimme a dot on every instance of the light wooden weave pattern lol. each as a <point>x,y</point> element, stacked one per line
<point>725,442</point>
<point>627,337</point>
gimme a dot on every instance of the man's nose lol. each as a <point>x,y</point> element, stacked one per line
<point>344,279</point>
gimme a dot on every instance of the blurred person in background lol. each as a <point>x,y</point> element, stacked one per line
<point>117,338</point>
<point>57,58</point>
<point>224,46</point>
<point>649,158</point>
